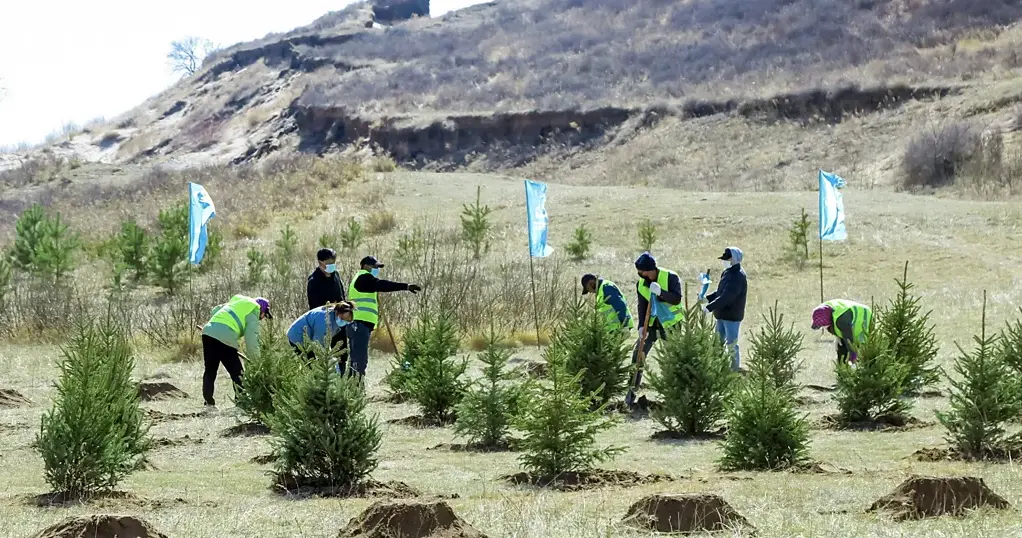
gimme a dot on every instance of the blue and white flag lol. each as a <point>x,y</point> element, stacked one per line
<point>660,310</point>
<point>200,210</point>
<point>535,205</point>
<point>832,209</point>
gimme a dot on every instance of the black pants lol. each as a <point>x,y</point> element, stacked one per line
<point>655,332</point>
<point>339,345</point>
<point>215,353</point>
<point>842,352</point>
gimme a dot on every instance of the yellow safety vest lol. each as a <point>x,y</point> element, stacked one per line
<point>234,312</point>
<point>367,304</point>
<point>862,318</point>
<point>607,310</point>
<point>678,310</point>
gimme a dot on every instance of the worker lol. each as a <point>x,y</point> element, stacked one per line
<point>666,286</point>
<point>363,292</point>
<point>229,323</point>
<point>324,285</point>
<point>849,321</point>
<point>727,304</point>
<point>609,300</point>
<point>324,325</point>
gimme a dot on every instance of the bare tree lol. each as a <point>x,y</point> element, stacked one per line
<point>186,55</point>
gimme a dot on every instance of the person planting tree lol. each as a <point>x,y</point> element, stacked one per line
<point>609,300</point>
<point>229,323</point>
<point>325,325</point>
<point>849,321</point>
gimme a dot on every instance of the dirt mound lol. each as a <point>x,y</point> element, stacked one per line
<point>881,424</point>
<point>158,417</point>
<point>409,519</point>
<point>594,479</point>
<point>161,442</point>
<point>101,526</point>
<point>1007,453</point>
<point>12,398</point>
<point>683,514</point>
<point>264,459</point>
<point>926,496</point>
<point>246,429</point>
<point>822,388</point>
<point>295,487</point>
<point>419,421</point>
<point>665,435</point>
<point>817,467</point>
<point>150,391</point>
<point>508,446</point>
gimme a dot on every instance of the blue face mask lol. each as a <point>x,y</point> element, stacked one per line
<point>331,267</point>
<point>375,272</point>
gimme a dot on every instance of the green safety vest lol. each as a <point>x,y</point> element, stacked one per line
<point>607,310</point>
<point>862,318</point>
<point>367,304</point>
<point>678,310</point>
<point>234,312</point>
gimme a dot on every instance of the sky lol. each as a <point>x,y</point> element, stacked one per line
<point>71,61</point>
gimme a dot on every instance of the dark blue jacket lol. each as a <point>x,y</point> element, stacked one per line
<point>728,302</point>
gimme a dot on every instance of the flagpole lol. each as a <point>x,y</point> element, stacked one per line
<point>532,269</point>
<point>821,269</point>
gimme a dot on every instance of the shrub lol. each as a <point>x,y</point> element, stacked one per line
<point>272,374</point>
<point>775,351</point>
<point>43,244</point>
<point>987,394</point>
<point>578,249</point>
<point>257,265</point>
<point>490,403</point>
<point>352,237</point>
<point>933,158</point>
<point>798,237</point>
<point>873,387</point>
<point>695,379</point>
<point>321,434</point>
<point>384,163</point>
<point>435,378</point>
<point>647,235</point>
<point>764,432</point>
<point>170,250</point>
<point>380,222</point>
<point>410,247</point>
<point>560,426</point>
<point>596,351</point>
<point>132,250</point>
<point>94,435</point>
<point>28,236</point>
<point>475,225</point>
<point>911,336</point>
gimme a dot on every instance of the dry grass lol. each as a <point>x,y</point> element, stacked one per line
<point>947,241</point>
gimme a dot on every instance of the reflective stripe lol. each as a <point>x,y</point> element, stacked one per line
<point>234,312</point>
<point>237,320</point>
<point>607,309</point>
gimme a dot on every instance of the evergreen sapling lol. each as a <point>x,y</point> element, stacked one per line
<point>435,378</point>
<point>872,388</point>
<point>475,225</point>
<point>911,337</point>
<point>272,374</point>
<point>775,351</point>
<point>596,350</point>
<point>490,403</point>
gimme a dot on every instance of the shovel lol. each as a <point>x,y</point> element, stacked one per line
<point>640,358</point>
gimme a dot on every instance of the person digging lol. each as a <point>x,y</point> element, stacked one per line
<point>230,323</point>
<point>666,286</point>
<point>849,321</point>
<point>324,325</point>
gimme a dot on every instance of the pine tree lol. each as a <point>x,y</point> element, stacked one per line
<point>798,237</point>
<point>475,225</point>
<point>435,378</point>
<point>272,374</point>
<point>775,351</point>
<point>595,350</point>
<point>647,235</point>
<point>257,265</point>
<point>695,379</point>
<point>986,396</point>
<point>911,336</point>
<point>94,435</point>
<point>764,432</point>
<point>169,257</point>
<point>353,236</point>
<point>872,388</point>
<point>28,235</point>
<point>321,434</point>
<point>1010,344</point>
<point>55,252</point>
<point>490,403</point>
<point>578,249</point>
<point>559,425</point>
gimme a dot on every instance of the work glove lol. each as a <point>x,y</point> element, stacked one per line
<point>706,310</point>
<point>853,357</point>
<point>655,289</point>
<point>642,331</point>
<point>414,288</point>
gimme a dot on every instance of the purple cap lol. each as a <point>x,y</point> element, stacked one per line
<point>264,306</point>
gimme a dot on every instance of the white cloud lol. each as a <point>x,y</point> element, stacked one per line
<point>71,60</point>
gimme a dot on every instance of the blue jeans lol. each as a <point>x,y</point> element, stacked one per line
<point>358,348</point>
<point>728,333</point>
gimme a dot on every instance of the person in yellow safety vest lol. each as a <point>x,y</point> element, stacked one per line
<point>666,285</point>
<point>609,300</point>
<point>221,339</point>
<point>363,292</point>
<point>849,321</point>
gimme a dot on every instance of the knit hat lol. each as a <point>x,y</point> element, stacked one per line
<point>645,262</point>
<point>823,316</point>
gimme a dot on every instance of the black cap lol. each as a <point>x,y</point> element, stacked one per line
<point>726,255</point>
<point>371,261</point>
<point>325,254</point>
<point>645,262</point>
<point>586,278</point>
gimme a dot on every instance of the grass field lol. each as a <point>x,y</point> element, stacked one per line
<point>206,485</point>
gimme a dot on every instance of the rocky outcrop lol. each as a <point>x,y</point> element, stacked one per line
<point>391,11</point>
<point>283,53</point>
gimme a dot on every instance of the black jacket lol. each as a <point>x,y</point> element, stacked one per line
<point>367,283</point>
<point>323,289</point>
<point>728,302</point>
<point>671,296</point>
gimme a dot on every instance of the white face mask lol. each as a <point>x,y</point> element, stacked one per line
<point>725,263</point>
<point>375,272</point>
<point>331,267</point>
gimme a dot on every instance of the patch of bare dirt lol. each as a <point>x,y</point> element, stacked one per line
<point>152,391</point>
<point>594,479</point>
<point>510,445</point>
<point>162,442</point>
<point>664,435</point>
<point>264,459</point>
<point>110,499</point>
<point>926,394</point>
<point>419,421</point>
<point>101,526</point>
<point>686,513</point>
<point>409,519</point>
<point>882,423</point>
<point>157,416</point>
<point>246,429</point>
<point>11,398</point>
<point>302,488</point>
<point>157,375</point>
<point>388,398</point>
<point>817,467</point>
<point>530,368</point>
<point>1002,454</point>
<point>822,388</point>
<point>926,496</point>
